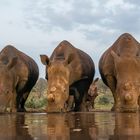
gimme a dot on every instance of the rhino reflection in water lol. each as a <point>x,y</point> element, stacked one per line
<point>70,72</point>
<point>13,127</point>
<point>127,126</point>
<point>119,68</point>
<point>48,127</point>
<point>83,126</point>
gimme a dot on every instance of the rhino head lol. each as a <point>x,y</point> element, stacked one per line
<point>127,76</point>
<point>57,73</point>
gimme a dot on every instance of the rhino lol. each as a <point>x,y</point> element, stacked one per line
<point>70,72</point>
<point>92,94</point>
<point>119,67</point>
<point>18,74</point>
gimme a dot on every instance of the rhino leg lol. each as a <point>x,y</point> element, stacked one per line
<point>22,102</point>
<point>71,100</point>
<point>77,103</point>
<point>77,100</point>
<point>80,99</point>
<point>85,105</point>
<point>80,102</point>
<point>13,103</point>
<point>70,103</point>
<point>111,82</point>
<point>80,93</point>
<point>89,106</point>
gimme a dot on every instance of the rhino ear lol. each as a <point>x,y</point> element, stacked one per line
<point>44,59</point>
<point>115,56</point>
<point>12,62</point>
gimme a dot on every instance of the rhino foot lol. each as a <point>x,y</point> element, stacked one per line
<point>21,110</point>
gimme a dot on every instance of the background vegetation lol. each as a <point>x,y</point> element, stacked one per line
<point>37,98</point>
<point>104,101</point>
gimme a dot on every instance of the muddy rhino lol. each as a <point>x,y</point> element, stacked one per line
<point>120,70</point>
<point>92,94</point>
<point>18,74</point>
<point>70,72</point>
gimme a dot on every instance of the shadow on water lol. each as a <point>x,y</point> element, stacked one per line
<point>70,126</point>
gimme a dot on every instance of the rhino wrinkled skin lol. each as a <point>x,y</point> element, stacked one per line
<point>119,67</point>
<point>18,74</point>
<point>70,72</point>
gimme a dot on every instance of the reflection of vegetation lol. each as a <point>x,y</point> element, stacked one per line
<point>37,98</point>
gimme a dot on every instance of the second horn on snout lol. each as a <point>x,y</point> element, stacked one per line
<point>50,97</point>
<point>128,97</point>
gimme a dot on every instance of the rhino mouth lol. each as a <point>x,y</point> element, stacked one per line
<point>55,110</point>
<point>53,107</point>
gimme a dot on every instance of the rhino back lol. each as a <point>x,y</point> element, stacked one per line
<point>24,63</point>
<point>87,64</point>
<point>78,60</point>
<point>33,71</point>
<point>125,45</point>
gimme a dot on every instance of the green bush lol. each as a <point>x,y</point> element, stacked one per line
<point>33,103</point>
<point>103,100</point>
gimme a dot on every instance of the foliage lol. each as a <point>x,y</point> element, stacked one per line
<point>33,103</point>
<point>37,98</point>
<point>103,100</point>
<point>102,88</point>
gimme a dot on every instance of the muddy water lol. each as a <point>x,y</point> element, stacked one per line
<point>70,126</point>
